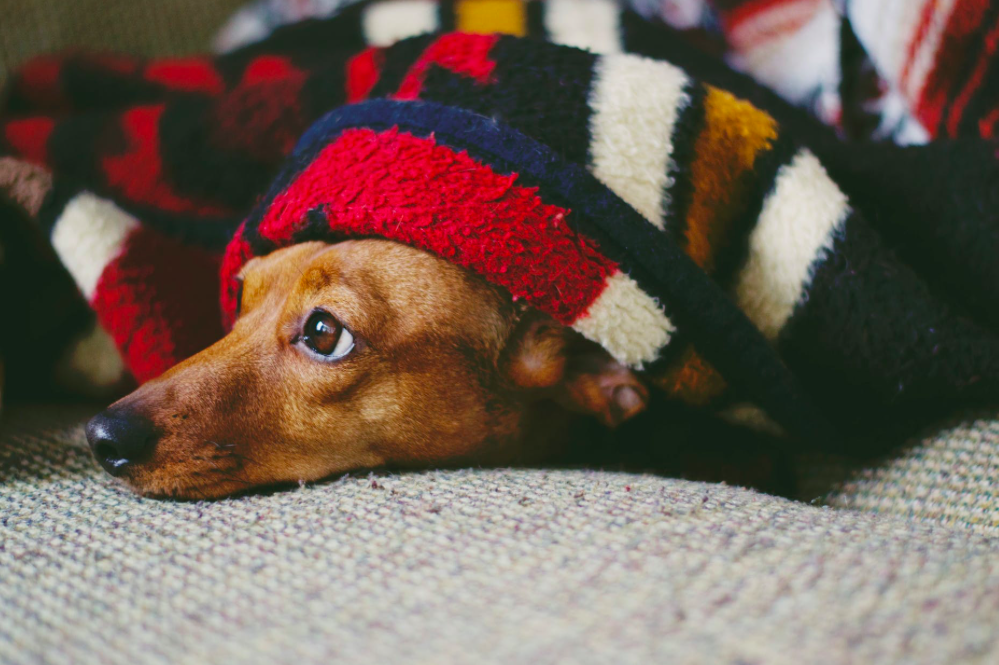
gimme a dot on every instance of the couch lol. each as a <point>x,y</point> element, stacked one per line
<point>472,566</point>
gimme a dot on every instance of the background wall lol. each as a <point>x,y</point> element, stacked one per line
<point>147,27</point>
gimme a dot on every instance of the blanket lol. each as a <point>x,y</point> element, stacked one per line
<point>878,69</point>
<point>782,277</point>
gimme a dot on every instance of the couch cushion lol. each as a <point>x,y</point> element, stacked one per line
<point>469,566</point>
<point>141,27</point>
<point>950,476</point>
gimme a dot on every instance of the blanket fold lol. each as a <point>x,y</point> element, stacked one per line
<point>746,260</point>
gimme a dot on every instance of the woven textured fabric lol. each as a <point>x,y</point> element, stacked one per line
<point>951,477</point>
<point>30,27</point>
<point>469,566</point>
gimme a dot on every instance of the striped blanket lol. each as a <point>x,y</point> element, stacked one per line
<point>735,250</point>
<point>904,70</point>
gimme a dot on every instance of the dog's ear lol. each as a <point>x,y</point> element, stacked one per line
<point>553,361</point>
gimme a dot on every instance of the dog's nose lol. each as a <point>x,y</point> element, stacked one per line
<point>121,438</point>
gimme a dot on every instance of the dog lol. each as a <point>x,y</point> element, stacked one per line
<point>354,355</point>
<point>665,226</point>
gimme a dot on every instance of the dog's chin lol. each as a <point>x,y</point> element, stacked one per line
<point>188,486</point>
<point>180,490</point>
<point>166,482</point>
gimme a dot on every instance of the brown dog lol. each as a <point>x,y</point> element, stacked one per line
<point>356,355</point>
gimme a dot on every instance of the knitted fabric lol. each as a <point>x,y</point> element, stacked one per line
<point>678,226</point>
<point>917,69</point>
<point>879,69</point>
<point>810,53</point>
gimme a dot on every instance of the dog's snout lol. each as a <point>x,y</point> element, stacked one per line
<point>120,438</point>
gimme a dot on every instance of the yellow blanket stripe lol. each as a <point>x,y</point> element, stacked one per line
<point>489,16</point>
<point>735,133</point>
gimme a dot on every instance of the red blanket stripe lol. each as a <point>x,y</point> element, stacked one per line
<point>158,301</point>
<point>38,83</point>
<point>987,125</point>
<point>456,52</point>
<point>953,54</point>
<point>186,75</point>
<point>29,138</point>
<point>447,203</point>
<point>974,82</point>
<point>363,72</point>
<point>137,173</point>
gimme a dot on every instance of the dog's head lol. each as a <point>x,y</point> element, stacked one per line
<point>356,355</point>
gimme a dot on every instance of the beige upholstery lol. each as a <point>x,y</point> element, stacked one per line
<point>950,477</point>
<point>469,567</point>
<point>30,27</point>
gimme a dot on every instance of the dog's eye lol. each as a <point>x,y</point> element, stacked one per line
<point>324,335</point>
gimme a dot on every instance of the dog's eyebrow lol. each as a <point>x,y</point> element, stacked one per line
<point>318,277</point>
<point>319,280</point>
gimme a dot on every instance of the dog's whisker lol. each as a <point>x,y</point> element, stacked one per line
<point>234,479</point>
<point>243,458</point>
<point>225,473</point>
